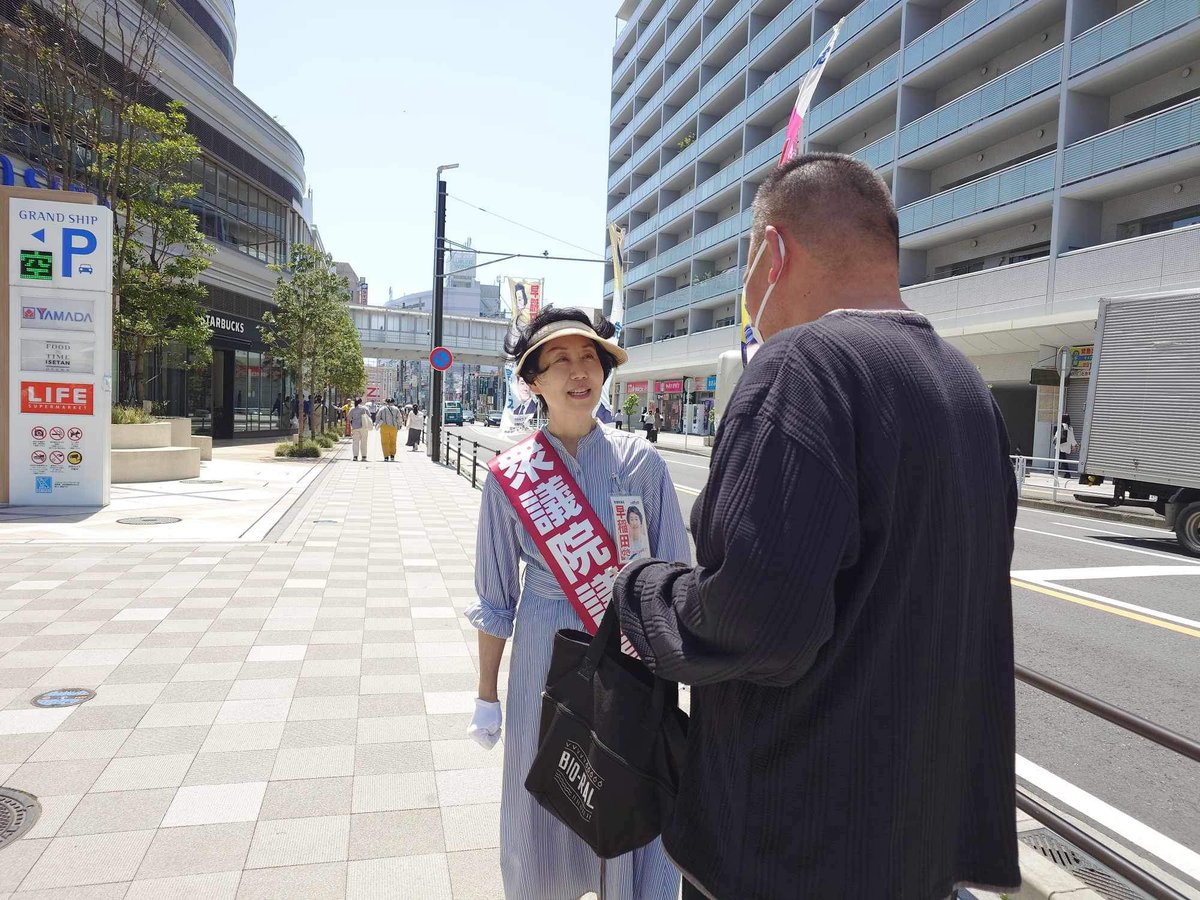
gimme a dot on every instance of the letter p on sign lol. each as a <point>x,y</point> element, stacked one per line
<point>76,242</point>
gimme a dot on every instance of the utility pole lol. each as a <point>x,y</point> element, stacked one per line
<point>439,278</point>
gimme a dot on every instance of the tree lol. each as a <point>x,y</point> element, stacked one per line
<point>632,402</point>
<point>162,252</point>
<point>341,365</point>
<point>308,303</point>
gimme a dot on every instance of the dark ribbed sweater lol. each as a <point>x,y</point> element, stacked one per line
<point>848,626</point>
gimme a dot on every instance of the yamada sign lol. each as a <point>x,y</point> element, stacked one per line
<point>57,398</point>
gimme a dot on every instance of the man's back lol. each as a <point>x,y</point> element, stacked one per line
<point>862,746</point>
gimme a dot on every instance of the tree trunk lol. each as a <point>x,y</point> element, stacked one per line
<point>139,366</point>
<point>299,400</point>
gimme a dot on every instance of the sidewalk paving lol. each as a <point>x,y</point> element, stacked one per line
<point>271,719</point>
<point>240,495</point>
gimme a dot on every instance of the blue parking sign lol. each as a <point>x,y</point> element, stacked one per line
<point>43,484</point>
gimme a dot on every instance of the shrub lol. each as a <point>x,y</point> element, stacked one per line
<point>325,441</point>
<point>307,450</point>
<point>130,415</point>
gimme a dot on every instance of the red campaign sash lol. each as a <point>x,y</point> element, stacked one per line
<point>573,541</point>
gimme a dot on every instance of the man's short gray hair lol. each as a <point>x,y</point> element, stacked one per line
<point>833,204</point>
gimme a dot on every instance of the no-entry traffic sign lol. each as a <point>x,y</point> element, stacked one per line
<point>441,359</point>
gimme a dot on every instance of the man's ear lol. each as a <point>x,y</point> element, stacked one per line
<point>776,248</point>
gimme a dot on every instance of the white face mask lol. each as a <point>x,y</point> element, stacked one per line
<point>755,330</point>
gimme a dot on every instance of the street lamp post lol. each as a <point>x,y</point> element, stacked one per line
<point>439,278</point>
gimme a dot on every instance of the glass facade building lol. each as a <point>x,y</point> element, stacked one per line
<point>252,207</point>
<point>1041,154</point>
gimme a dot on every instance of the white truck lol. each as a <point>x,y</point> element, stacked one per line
<point>1143,420</point>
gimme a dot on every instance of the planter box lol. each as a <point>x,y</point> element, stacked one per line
<point>203,443</point>
<point>181,430</point>
<point>140,437</point>
<point>154,463</point>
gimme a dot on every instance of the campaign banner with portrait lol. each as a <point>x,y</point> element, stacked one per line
<point>524,297</point>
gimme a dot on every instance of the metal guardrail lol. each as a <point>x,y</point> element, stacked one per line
<point>458,455</point>
<point>1151,731</point>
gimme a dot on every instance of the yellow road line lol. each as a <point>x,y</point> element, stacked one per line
<point>1104,607</point>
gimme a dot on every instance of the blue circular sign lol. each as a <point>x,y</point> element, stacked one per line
<point>441,359</point>
<point>63,697</point>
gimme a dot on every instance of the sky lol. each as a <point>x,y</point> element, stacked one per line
<point>381,92</point>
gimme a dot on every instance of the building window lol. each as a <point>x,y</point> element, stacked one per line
<point>1180,218</point>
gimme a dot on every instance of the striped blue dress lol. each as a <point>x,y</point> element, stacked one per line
<point>540,858</point>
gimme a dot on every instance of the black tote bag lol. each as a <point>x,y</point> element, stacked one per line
<point>611,743</point>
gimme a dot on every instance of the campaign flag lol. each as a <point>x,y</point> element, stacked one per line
<point>792,143</point>
<point>616,237</point>
<point>804,94</point>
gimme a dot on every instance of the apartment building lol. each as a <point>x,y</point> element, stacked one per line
<point>1042,154</point>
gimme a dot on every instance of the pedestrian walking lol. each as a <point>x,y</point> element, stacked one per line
<point>565,360</point>
<point>416,425</point>
<point>308,415</point>
<point>360,425</point>
<point>389,426</point>
<point>848,626</point>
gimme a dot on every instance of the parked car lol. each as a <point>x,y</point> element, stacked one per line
<point>494,418</point>
<point>468,416</point>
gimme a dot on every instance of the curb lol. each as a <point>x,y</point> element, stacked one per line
<point>1092,512</point>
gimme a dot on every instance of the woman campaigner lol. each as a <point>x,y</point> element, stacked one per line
<point>565,360</point>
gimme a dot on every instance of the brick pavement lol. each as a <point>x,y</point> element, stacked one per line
<point>274,719</point>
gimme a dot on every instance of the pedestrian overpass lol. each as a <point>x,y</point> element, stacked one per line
<point>405,334</point>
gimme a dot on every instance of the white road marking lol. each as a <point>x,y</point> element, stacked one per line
<point>1124,534</point>
<point>687,490</point>
<point>679,462</point>
<point>1120,604</point>
<point>1045,512</point>
<point>1104,572</point>
<point>1123,825</point>
<point>1108,544</point>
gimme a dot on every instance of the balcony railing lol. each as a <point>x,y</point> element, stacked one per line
<point>1027,179</point>
<point>722,231</point>
<point>955,29</point>
<point>728,72</point>
<point>644,190</point>
<point>621,174</point>
<point>877,154</point>
<point>626,29</point>
<point>731,174</point>
<point>686,68</point>
<point>779,82</point>
<point>769,149</point>
<point>723,28</point>
<point>729,122</point>
<point>781,23</point>
<point>1127,145</point>
<point>863,15</point>
<point>1136,26</point>
<point>679,163</point>
<point>674,300</point>
<point>729,280</point>
<point>686,202</point>
<point>670,257</point>
<point>857,92</point>
<point>639,312</point>
<point>1025,81</point>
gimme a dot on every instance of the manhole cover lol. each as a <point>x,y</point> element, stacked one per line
<point>63,697</point>
<point>1091,872</point>
<point>149,520</point>
<point>201,481</point>
<point>18,813</point>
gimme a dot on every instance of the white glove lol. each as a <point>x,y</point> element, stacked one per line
<point>485,725</point>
